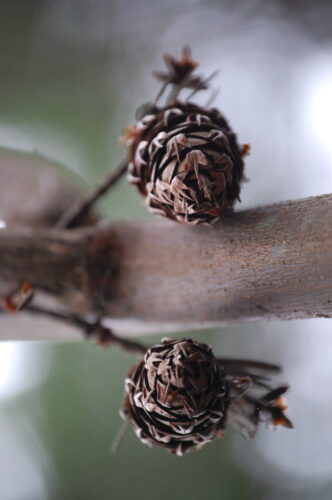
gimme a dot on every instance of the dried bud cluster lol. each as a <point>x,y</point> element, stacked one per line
<point>184,158</point>
<point>179,71</point>
<point>179,397</point>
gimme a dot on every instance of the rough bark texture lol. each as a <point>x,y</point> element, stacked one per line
<point>272,262</point>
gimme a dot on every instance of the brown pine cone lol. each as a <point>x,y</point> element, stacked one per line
<point>186,162</point>
<point>184,158</point>
<point>179,397</point>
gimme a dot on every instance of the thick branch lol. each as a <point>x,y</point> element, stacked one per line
<point>265,263</point>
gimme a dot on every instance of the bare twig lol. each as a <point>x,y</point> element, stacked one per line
<point>76,212</point>
<point>90,328</point>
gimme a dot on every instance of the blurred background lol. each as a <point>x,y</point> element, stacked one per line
<point>72,74</point>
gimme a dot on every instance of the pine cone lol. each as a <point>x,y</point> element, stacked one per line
<point>186,161</point>
<point>180,397</point>
<point>177,397</point>
<point>184,158</point>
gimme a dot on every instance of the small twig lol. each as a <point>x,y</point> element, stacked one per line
<point>66,317</point>
<point>95,328</point>
<point>77,211</point>
<point>212,97</point>
<point>173,95</point>
<point>119,437</point>
<point>107,336</point>
<point>160,93</point>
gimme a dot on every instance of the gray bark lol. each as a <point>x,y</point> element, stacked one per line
<point>272,262</point>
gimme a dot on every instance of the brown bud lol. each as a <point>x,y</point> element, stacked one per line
<point>186,162</point>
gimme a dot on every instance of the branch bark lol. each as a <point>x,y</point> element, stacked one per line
<point>273,262</point>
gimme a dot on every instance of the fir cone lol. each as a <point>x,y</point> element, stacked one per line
<point>180,397</point>
<point>177,396</point>
<point>184,158</point>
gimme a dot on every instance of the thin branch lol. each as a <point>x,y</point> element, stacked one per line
<point>94,328</point>
<point>76,212</point>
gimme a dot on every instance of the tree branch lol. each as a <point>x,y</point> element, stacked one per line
<point>273,262</point>
<point>93,328</point>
